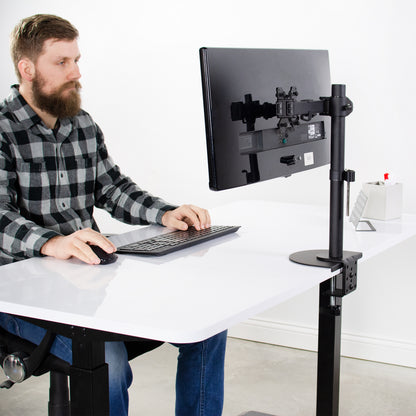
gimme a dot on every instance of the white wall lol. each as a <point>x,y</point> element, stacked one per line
<point>141,82</point>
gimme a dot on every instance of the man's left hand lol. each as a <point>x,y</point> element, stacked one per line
<point>187,215</point>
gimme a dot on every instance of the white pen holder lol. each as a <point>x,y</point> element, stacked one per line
<point>384,202</point>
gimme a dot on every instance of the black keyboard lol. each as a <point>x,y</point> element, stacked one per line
<point>176,240</point>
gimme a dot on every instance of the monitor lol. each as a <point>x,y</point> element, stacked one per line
<point>246,141</point>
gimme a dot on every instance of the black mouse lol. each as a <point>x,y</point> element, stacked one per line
<point>105,258</point>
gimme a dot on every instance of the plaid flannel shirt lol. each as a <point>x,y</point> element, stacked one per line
<point>50,181</point>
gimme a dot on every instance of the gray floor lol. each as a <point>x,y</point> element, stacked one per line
<point>259,377</point>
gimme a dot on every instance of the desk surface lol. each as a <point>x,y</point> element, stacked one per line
<point>195,293</point>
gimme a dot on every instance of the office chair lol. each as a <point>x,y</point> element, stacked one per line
<point>36,360</point>
<point>21,359</point>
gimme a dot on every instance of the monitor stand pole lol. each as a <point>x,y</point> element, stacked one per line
<point>333,289</point>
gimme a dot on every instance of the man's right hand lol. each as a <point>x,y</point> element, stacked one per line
<point>77,245</point>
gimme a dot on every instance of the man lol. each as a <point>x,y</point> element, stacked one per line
<point>54,169</point>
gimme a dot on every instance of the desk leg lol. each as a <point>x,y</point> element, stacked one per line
<point>329,351</point>
<point>89,379</point>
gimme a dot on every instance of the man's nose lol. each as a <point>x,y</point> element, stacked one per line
<point>74,73</point>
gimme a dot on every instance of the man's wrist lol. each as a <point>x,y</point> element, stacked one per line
<point>47,248</point>
<point>44,235</point>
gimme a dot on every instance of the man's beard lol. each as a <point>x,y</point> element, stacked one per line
<point>55,103</point>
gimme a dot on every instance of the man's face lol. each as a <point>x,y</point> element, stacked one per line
<point>55,85</point>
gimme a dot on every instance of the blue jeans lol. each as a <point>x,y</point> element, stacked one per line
<point>199,377</point>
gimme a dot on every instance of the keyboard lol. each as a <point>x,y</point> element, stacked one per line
<point>176,240</point>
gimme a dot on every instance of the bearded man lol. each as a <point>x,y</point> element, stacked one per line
<point>54,170</point>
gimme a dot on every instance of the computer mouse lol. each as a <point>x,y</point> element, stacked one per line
<point>105,258</point>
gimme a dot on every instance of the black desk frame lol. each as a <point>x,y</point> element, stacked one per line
<point>89,371</point>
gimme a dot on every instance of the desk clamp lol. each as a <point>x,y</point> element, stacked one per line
<point>344,282</point>
<point>339,285</point>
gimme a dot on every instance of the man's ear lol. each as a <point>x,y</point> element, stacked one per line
<point>27,69</point>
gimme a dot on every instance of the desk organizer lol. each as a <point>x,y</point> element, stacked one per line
<point>385,201</point>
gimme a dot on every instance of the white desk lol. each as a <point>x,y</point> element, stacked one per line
<point>198,292</point>
<point>183,297</point>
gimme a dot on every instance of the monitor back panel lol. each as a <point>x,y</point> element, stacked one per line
<point>237,159</point>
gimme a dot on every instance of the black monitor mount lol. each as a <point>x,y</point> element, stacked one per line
<point>289,112</point>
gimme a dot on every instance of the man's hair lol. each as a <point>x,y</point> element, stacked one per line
<point>30,34</point>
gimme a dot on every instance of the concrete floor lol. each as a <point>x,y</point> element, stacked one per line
<point>259,377</point>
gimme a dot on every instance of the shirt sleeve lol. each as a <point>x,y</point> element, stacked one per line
<point>120,196</point>
<point>19,237</point>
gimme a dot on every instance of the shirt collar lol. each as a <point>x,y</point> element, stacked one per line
<point>21,109</point>
<point>25,114</point>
